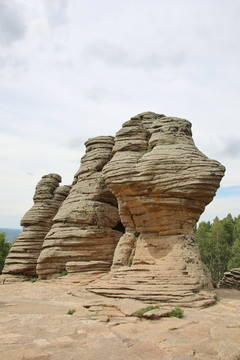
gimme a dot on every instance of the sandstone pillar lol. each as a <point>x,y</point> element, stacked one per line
<point>162,183</point>
<point>83,236</point>
<point>22,258</point>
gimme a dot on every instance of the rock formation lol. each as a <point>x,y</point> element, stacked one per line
<point>36,223</point>
<point>162,183</point>
<point>84,234</point>
<point>132,208</point>
<point>231,279</point>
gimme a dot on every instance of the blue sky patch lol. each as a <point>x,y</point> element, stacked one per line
<point>228,191</point>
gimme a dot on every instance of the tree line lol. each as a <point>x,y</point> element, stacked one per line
<point>5,246</point>
<point>219,245</point>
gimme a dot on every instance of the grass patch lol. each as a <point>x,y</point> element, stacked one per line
<point>177,312</point>
<point>130,262</point>
<point>63,273</point>
<point>146,309</point>
<point>149,148</point>
<point>71,311</point>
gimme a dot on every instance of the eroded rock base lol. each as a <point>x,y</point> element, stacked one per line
<point>151,285</point>
<point>166,270</point>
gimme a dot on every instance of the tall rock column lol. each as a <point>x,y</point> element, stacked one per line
<point>162,183</point>
<point>85,230</point>
<point>22,258</point>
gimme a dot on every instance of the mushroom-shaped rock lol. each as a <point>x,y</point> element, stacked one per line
<point>162,183</point>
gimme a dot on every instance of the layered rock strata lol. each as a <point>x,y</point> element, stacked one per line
<point>132,207</point>
<point>231,279</point>
<point>162,183</point>
<point>89,267</point>
<point>85,227</point>
<point>36,223</point>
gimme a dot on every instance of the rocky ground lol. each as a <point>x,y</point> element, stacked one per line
<point>34,325</point>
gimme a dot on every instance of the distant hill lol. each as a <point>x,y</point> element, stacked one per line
<point>11,234</point>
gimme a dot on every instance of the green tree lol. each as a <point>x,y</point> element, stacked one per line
<point>229,224</point>
<point>4,250</point>
<point>234,261</point>
<point>236,229</point>
<point>215,244</point>
<point>222,249</point>
<point>204,241</point>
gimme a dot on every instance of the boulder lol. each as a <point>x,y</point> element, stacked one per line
<point>231,279</point>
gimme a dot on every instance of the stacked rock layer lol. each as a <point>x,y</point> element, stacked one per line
<point>132,207</point>
<point>36,223</point>
<point>162,183</point>
<point>85,227</point>
<point>231,279</point>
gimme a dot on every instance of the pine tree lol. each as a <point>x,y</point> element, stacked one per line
<point>234,261</point>
<point>219,245</point>
<point>4,250</point>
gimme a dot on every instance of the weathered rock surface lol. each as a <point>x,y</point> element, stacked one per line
<point>231,279</point>
<point>132,207</point>
<point>81,267</point>
<point>84,227</point>
<point>36,223</point>
<point>162,183</point>
<point>35,325</point>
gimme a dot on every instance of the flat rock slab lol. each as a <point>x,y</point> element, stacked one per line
<point>34,325</point>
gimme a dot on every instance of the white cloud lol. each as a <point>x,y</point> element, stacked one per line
<point>119,55</point>
<point>23,162</point>
<point>56,11</point>
<point>221,208</point>
<point>231,147</point>
<point>12,27</point>
<point>71,70</point>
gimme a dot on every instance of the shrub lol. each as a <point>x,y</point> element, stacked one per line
<point>130,262</point>
<point>149,148</point>
<point>177,312</point>
<point>144,310</point>
<point>71,311</point>
<point>63,273</point>
<point>136,234</point>
<point>4,250</point>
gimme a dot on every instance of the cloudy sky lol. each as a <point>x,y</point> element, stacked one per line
<point>74,69</point>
